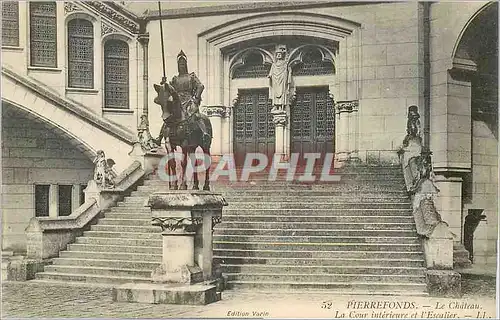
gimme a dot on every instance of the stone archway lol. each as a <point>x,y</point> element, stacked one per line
<point>464,135</point>
<point>478,46</point>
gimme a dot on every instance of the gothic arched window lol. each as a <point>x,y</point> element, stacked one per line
<point>43,34</point>
<point>312,64</point>
<point>116,74</point>
<point>10,23</point>
<point>80,54</point>
<point>253,67</point>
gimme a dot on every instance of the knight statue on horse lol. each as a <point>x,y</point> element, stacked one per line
<point>188,88</point>
<point>183,124</point>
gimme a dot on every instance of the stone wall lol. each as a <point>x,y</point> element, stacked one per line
<point>32,154</point>
<point>484,192</point>
<point>384,69</point>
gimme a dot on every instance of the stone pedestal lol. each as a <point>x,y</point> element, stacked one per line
<point>187,219</point>
<point>186,274</point>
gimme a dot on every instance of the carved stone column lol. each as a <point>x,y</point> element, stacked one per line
<point>346,113</point>
<point>144,41</point>
<point>216,115</point>
<point>280,119</point>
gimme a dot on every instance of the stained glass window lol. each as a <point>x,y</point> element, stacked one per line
<point>43,34</point>
<point>10,23</point>
<point>254,67</point>
<point>313,64</point>
<point>80,54</point>
<point>116,74</point>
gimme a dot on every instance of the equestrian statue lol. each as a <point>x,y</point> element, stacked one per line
<point>183,124</point>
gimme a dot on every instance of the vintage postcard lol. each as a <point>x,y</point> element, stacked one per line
<point>249,159</point>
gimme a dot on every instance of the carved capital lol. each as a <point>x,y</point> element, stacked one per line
<point>279,118</point>
<point>217,111</point>
<point>143,38</point>
<point>347,106</point>
<point>176,223</point>
<point>216,220</point>
<point>71,7</point>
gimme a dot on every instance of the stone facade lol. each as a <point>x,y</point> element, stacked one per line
<point>385,57</point>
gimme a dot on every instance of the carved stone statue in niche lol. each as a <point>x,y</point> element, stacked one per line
<point>280,78</point>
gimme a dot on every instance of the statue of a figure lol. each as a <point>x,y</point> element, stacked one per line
<point>144,135</point>
<point>412,125</point>
<point>103,172</point>
<point>279,78</point>
<point>189,89</point>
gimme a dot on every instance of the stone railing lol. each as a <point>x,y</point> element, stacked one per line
<point>437,239</point>
<point>46,236</point>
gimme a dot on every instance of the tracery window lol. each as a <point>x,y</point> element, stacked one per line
<point>43,34</point>
<point>116,74</point>
<point>313,64</point>
<point>10,23</point>
<point>80,54</point>
<point>254,67</point>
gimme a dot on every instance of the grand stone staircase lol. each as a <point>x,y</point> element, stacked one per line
<point>352,236</point>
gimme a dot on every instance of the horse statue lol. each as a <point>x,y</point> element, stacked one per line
<point>181,127</point>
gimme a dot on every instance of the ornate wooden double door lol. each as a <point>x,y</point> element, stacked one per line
<point>312,122</point>
<point>253,124</point>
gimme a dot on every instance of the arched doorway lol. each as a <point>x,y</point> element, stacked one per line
<point>309,126</point>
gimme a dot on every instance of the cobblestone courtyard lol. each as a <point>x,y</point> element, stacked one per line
<point>32,299</point>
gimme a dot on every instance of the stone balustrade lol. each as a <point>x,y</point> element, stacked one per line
<point>46,236</point>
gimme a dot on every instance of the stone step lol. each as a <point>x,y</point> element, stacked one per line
<point>384,212</point>
<point>126,229</point>
<point>113,248</point>
<point>317,262</point>
<point>316,239</point>
<point>143,222</point>
<point>128,215</point>
<point>106,263</point>
<point>318,225</point>
<point>92,278</point>
<point>298,254</point>
<point>252,187</point>
<point>319,205</point>
<point>103,271</point>
<point>121,241</point>
<point>311,232</point>
<point>372,181</point>
<point>301,205</point>
<point>292,193</point>
<point>316,218</point>
<point>116,255</point>
<point>138,210</point>
<point>117,234</point>
<point>291,198</point>
<point>318,246</point>
<point>364,288</point>
<point>314,269</point>
<point>306,277</point>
